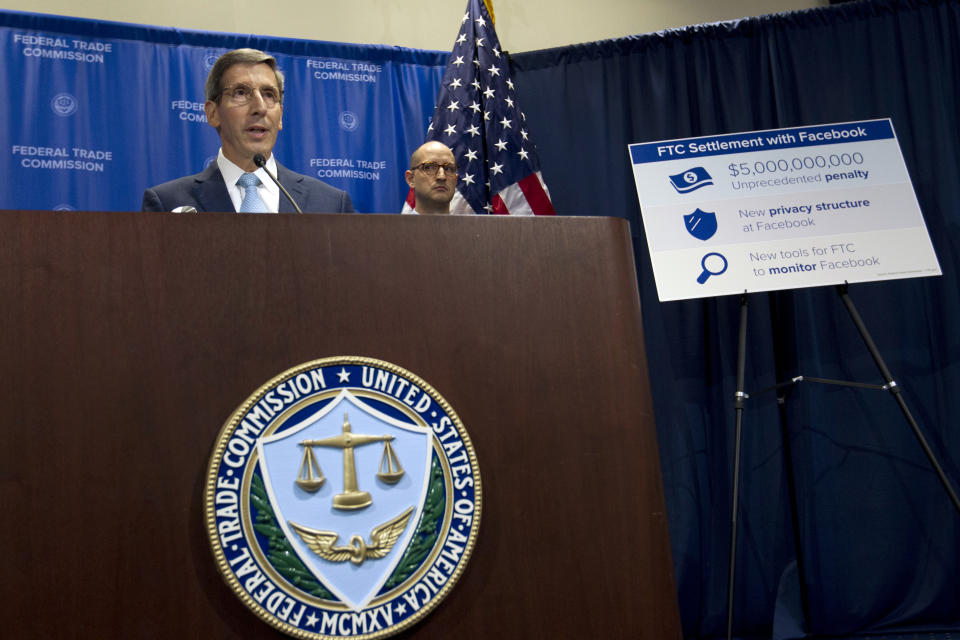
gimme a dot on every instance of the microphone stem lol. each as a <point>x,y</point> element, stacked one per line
<point>261,162</point>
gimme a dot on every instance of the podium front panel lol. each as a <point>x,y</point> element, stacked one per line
<point>130,338</point>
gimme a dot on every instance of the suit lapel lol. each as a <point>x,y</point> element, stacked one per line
<point>292,182</point>
<point>211,191</point>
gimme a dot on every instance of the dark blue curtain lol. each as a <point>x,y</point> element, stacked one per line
<point>844,527</point>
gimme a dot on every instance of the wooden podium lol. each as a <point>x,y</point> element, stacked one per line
<point>128,339</point>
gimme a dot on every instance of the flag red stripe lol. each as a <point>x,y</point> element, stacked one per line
<point>536,196</point>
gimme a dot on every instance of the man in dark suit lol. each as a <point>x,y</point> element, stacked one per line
<point>244,103</point>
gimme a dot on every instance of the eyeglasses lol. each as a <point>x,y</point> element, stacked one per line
<point>432,168</point>
<point>242,94</point>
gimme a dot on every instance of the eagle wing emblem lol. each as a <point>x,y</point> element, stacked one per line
<point>321,543</point>
<point>382,539</point>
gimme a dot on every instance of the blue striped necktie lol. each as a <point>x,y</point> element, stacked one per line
<point>252,202</point>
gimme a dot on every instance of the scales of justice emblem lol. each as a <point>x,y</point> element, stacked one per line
<point>310,478</point>
<point>345,528</point>
<point>343,499</point>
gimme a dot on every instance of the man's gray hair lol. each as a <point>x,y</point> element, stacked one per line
<point>238,56</point>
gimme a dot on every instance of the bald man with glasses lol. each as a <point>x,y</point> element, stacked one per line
<point>433,177</point>
<point>244,103</point>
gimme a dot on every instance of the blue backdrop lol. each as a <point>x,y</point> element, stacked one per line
<point>95,112</point>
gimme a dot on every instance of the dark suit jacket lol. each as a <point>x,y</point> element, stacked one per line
<point>207,192</point>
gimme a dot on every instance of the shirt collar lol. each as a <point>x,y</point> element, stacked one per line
<point>231,173</point>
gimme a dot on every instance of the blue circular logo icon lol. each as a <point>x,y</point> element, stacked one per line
<point>210,57</point>
<point>64,105</point>
<point>349,121</point>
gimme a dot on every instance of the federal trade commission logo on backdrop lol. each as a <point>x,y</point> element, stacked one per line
<point>343,499</point>
<point>348,121</point>
<point>64,104</point>
<point>210,57</point>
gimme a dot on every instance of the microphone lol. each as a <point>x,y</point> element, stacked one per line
<point>261,162</point>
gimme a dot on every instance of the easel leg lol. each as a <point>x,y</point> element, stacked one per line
<point>895,390</point>
<point>790,477</point>
<point>738,408</point>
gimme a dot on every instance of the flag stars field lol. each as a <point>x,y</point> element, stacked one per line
<point>502,180</point>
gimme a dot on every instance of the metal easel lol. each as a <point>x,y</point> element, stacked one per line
<point>740,398</point>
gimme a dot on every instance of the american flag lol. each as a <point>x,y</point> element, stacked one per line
<point>477,116</point>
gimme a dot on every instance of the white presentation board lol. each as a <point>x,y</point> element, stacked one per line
<point>780,209</point>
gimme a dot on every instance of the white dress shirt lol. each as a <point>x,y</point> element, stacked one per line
<point>268,190</point>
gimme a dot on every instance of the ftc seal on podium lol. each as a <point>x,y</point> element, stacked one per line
<point>342,499</point>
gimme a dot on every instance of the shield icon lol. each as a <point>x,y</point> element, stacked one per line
<point>701,224</point>
<point>347,485</point>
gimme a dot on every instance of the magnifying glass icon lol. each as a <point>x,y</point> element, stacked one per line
<point>713,264</point>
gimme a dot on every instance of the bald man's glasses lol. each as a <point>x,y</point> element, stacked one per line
<point>432,168</point>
